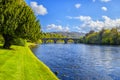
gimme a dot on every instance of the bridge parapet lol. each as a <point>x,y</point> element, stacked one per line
<point>44,40</point>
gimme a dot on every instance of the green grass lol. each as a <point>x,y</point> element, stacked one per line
<point>21,64</point>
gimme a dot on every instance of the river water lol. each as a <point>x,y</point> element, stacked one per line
<point>80,61</point>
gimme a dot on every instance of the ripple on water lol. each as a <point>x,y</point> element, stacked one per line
<point>81,62</point>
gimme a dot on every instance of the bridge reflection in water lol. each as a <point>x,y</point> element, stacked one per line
<point>66,40</point>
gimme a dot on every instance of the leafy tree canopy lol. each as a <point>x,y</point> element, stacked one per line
<point>17,20</point>
<point>105,36</point>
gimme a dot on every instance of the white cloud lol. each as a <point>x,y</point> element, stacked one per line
<point>79,29</point>
<point>89,24</point>
<point>104,8</point>
<point>93,0</point>
<point>54,28</point>
<point>78,5</point>
<point>38,9</point>
<point>105,0</point>
<point>83,18</point>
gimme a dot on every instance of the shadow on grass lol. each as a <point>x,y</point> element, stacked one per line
<point>1,47</point>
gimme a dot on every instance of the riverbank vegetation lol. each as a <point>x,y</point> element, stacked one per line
<point>104,37</point>
<point>20,64</point>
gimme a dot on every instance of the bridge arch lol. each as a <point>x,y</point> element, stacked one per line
<point>50,41</point>
<point>60,41</point>
<point>56,40</point>
<point>70,41</point>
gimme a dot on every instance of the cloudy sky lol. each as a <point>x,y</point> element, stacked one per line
<point>76,15</point>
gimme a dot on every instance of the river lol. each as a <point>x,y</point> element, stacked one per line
<point>80,61</point>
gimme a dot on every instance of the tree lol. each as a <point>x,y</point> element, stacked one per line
<point>92,38</point>
<point>100,35</point>
<point>106,38</point>
<point>17,20</point>
<point>114,35</point>
<point>118,39</point>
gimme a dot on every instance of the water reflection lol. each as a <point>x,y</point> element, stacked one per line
<point>81,62</point>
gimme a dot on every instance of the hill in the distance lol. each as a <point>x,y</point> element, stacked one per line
<point>70,34</point>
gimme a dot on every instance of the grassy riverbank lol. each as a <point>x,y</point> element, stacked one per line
<point>21,64</point>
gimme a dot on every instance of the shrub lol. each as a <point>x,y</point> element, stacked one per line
<point>19,42</point>
<point>1,39</point>
<point>38,42</point>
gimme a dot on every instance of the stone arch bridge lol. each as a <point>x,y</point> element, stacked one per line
<point>75,40</point>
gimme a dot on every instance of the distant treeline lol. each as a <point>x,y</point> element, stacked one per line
<point>51,35</point>
<point>105,37</point>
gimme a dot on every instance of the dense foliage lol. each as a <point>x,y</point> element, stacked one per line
<point>1,39</point>
<point>51,35</point>
<point>17,20</point>
<point>105,36</point>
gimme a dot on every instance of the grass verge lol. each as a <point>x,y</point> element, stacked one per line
<point>21,64</point>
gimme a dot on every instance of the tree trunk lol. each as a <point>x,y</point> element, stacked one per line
<point>7,41</point>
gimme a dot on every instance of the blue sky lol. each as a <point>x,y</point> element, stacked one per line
<point>76,15</point>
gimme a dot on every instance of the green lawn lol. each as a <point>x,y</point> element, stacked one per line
<point>21,64</point>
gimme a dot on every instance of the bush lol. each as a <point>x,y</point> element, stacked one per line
<point>19,42</point>
<point>1,39</point>
<point>38,42</point>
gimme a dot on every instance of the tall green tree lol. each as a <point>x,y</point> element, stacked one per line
<point>118,39</point>
<point>17,20</point>
<point>114,35</point>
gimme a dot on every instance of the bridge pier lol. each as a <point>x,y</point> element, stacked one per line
<point>55,41</point>
<point>44,41</point>
<point>75,41</point>
<point>65,41</point>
